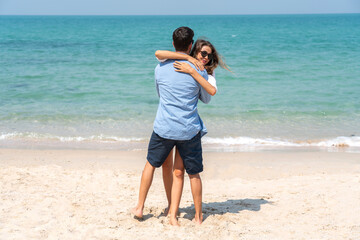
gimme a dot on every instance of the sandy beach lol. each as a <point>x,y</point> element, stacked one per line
<point>82,194</point>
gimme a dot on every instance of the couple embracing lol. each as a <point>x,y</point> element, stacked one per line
<point>182,78</point>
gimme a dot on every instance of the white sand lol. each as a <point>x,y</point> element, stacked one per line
<point>63,194</point>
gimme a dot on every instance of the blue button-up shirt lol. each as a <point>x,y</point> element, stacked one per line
<point>177,116</point>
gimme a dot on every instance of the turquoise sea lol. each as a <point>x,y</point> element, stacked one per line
<point>88,81</point>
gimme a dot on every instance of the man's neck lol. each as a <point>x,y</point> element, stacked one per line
<point>182,52</point>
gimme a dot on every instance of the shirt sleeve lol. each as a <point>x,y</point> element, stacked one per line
<point>163,60</point>
<point>204,96</point>
<point>212,81</point>
<point>156,84</point>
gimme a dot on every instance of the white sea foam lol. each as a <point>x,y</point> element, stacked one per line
<point>38,136</point>
<point>4,136</point>
<point>342,141</point>
<point>253,142</point>
<point>247,141</point>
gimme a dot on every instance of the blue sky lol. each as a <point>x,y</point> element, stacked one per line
<point>179,7</point>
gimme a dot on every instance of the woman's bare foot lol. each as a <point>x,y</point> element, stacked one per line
<point>174,222</point>
<point>137,212</point>
<point>198,219</point>
<point>166,211</point>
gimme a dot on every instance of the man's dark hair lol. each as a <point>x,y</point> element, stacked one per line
<point>182,37</point>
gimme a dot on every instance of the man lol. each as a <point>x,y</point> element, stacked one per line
<point>177,123</point>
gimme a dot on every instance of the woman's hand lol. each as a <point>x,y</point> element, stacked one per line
<point>183,67</point>
<point>196,63</point>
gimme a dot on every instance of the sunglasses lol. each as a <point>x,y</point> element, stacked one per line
<point>205,53</point>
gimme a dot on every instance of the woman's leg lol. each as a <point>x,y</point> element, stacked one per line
<point>167,169</point>
<point>146,180</point>
<point>177,188</point>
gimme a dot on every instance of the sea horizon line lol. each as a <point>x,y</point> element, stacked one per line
<point>170,15</point>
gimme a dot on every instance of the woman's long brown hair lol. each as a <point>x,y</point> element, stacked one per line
<point>214,62</point>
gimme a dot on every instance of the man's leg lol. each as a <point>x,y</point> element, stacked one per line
<point>167,174</point>
<point>191,151</point>
<point>146,180</point>
<point>196,190</point>
<point>177,188</point>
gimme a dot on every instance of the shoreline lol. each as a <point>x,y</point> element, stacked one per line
<point>209,144</point>
<point>218,165</point>
<point>74,194</point>
<point>135,159</point>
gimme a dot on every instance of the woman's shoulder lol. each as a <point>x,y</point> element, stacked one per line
<point>212,80</point>
<point>212,76</point>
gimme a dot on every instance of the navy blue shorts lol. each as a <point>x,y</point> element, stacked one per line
<point>189,150</point>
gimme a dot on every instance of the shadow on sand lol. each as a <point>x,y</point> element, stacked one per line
<point>229,206</point>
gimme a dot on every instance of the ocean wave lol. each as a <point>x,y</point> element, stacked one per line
<point>353,141</point>
<point>38,136</point>
<point>341,141</point>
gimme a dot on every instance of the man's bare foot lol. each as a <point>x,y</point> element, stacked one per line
<point>137,212</point>
<point>174,222</point>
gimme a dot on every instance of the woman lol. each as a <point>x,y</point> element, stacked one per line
<point>204,56</point>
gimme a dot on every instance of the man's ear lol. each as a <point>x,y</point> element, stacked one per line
<point>173,44</point>
<point>190,46</point>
